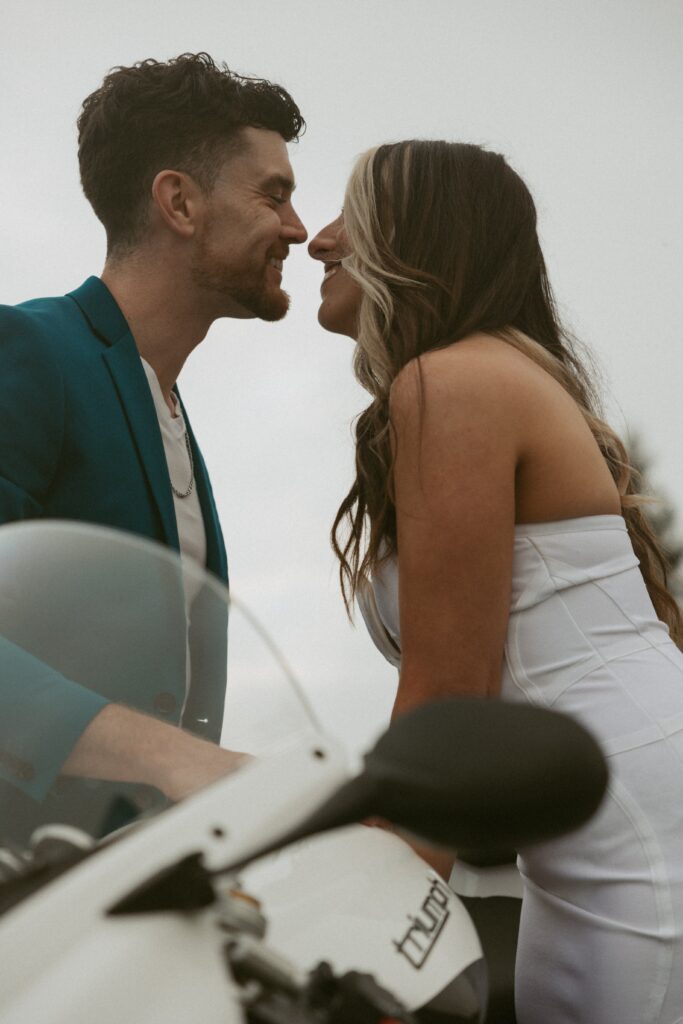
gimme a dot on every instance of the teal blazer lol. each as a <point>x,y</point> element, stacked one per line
<point>80,440</point>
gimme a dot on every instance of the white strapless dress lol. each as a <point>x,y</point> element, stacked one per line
<point>601,937</point>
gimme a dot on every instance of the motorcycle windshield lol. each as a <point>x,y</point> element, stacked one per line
<point>105,637</point>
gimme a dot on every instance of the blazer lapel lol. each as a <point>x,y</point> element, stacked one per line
<point>123,362</point>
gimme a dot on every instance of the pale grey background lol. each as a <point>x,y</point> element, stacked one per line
<point>583,96</point>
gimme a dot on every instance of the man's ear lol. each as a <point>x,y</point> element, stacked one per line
<point>177,199</point>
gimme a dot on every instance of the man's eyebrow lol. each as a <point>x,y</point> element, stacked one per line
<point>279,181</point>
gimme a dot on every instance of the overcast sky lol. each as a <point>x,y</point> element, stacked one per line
<point>582,96</point>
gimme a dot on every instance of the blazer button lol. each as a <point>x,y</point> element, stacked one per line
<point>165,703</point>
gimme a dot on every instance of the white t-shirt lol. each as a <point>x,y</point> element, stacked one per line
<point>188,513</point>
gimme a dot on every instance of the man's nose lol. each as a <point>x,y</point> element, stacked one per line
<point>294,229</point>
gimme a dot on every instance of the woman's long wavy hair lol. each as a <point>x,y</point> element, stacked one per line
<point>443,244</point>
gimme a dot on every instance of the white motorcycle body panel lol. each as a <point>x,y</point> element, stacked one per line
<point>48,939</point>
<point>358,898</point>
<point>158,969</point>
<point>362,899</point>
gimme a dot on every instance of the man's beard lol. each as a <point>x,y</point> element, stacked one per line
<point>210,273</point>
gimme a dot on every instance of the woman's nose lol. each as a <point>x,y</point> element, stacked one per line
<point>325,242</point>
<point>319,246</point>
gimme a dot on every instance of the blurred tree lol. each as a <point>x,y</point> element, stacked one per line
<point>661,514</point>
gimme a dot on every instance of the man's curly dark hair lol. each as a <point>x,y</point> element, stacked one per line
<point>184,114</point>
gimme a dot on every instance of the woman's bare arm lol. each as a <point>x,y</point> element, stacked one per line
<point>457,453</point>
<point>456,460</point>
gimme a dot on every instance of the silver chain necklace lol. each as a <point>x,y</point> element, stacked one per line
<point>188,492</point>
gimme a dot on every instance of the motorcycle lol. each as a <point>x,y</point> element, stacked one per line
<point>261,898</point>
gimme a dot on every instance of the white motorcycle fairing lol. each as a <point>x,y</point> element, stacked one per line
<point>362,899</point>
<point>379,909</point>
<point>63,959</point>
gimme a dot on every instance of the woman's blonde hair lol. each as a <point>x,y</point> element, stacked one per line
<point>443,244</point>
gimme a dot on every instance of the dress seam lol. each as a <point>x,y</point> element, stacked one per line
<point>662,895</point>
<point>598,655</point>
<point>518,605</point>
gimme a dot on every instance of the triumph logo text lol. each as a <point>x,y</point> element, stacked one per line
<point>425,926</point>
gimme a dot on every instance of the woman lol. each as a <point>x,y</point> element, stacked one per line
<point>497,519</point>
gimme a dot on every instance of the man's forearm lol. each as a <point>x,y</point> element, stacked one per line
<point>124,745</point>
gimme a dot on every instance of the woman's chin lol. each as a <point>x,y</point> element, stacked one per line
<point>336,324</point>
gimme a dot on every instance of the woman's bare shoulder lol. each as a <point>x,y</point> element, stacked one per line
<point>480,352</point>
<point>479,370</point>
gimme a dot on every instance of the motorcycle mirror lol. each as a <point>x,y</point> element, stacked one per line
<point>460,773</point>
<point>471,773</point>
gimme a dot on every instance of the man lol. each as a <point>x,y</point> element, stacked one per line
<point>186,166</point>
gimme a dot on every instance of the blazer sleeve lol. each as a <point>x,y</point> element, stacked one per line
<point>42,713</point>
<point>31,414</point>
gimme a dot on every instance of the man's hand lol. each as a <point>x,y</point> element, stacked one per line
<point>123,745</point>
